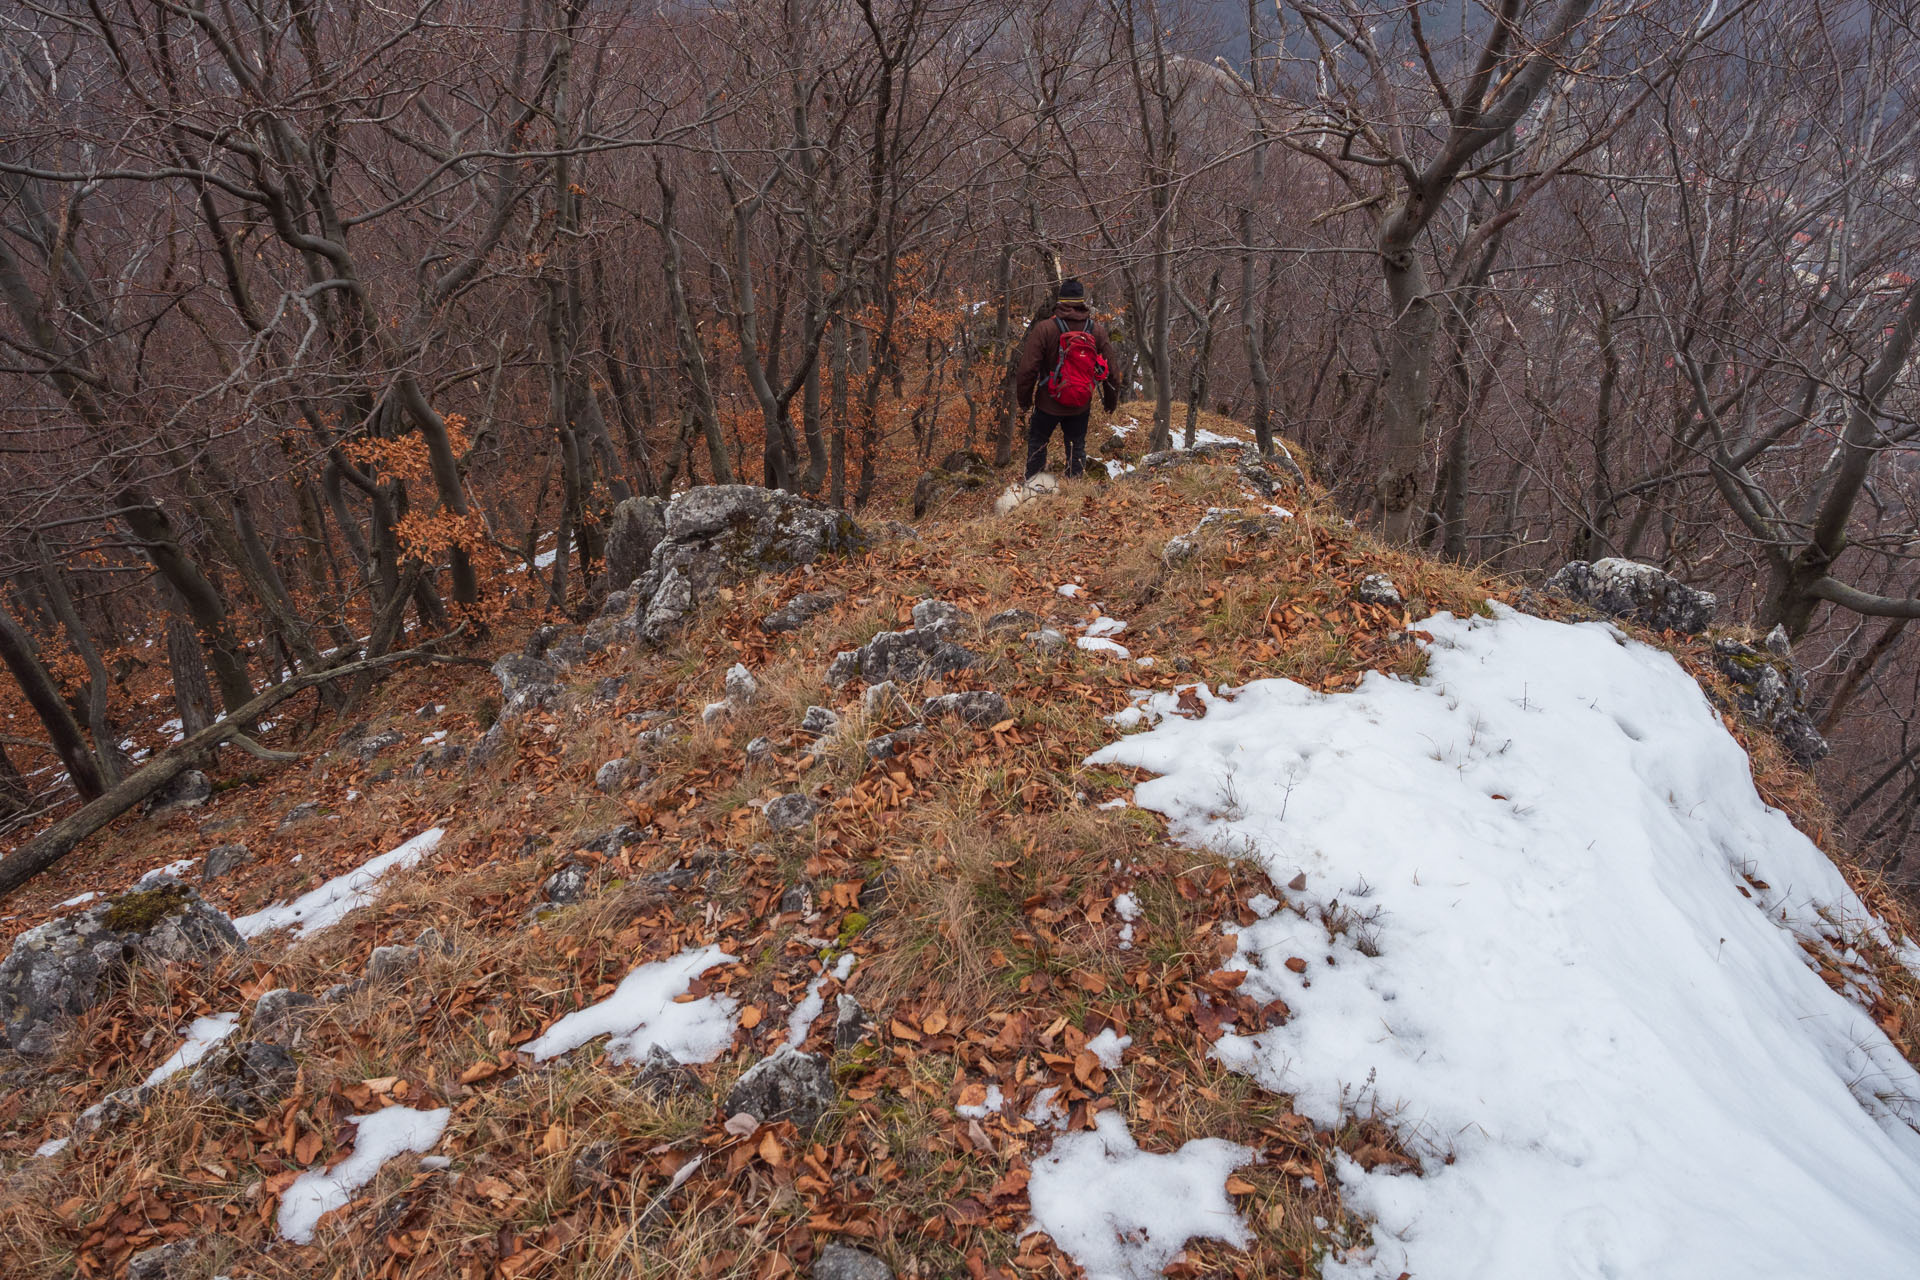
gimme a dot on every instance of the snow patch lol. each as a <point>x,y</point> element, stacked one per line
<point>202,1035</point>
<point>384,1134</point>
<point>1524,945</point>
<point>641,1015</point>
<point>1100,644</point>
<point>331,902</point>
<point>1123,1213</point>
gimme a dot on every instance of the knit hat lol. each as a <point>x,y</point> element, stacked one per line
<point>1072,289</point>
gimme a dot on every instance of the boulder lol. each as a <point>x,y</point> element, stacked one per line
<point>189,790</point>
<point>64,967</point>
<point>919,654</point>
<point>1378,588</point>
<point>1771,693</point>
<point>849,1022</point>
<point>247,1076</point>
<point>223,858</point>
<point>978,707</point>
<point>889,745</point>
<point>822,722</point>
<point>798,611</point>
<point>790,812</point>
<point>1638,592</point>
<point>367,748</point>
<point>741,687</point>
<point>175,1261</point>
<point>939,617</point>
<point>391,964</point>
<point>844,1262</point>
<point>526,684</point>
<point>280,1016</point>
<point>566,886</point>
<point>736,530</point>
<point>637,527</point>
<point>788,1085</point>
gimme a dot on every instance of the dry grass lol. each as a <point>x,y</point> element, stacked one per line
<point>973,880</point>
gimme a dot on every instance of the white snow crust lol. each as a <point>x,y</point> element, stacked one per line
<point>331,902</point>
<point>1527,947</point>
<point>202,1035</point>
<point>383,1134</point>
<point>1123,1213</point>
<point>641,1015</point>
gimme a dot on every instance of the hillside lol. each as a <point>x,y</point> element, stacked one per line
<point>1190,901</point>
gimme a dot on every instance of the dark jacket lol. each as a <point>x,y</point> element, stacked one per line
<point>1042,347</point>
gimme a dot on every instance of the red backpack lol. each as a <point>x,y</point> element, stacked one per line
<point>1077,369</point>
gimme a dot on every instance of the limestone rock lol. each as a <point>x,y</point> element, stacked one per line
<point>849,1022</point>
<point>790,812</point>
<point>1771,693</point>
<point>1378,588</point>
<point>671,603</point>
<point>919,654</point>
<point>300,813</point>
<point>789,1085</point>
<point>64,967</point>
<point>1640,592</point>
<point>798,611</point>
<point>391,964</point>
<point>978,707</point>
<point>189,790</point>
<point>526,684</point>
<point>844,1262</point>
<point>247,1076</point>
<point>820,721</point>
<point>280,1016</point>
<point>223,858</point>
<point>637,527</point>
<point>566,886</point>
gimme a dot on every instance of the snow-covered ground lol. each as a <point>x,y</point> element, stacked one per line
<point>330,903</point>
<point>202,1036</point>
<point>382,1135</point>
<point>1551,934</point>
<point>645,1013</point>
<point>1124,1213</point>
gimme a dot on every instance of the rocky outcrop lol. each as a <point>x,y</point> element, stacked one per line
<point>789,1085</point>
<point>1239,526</point>
<point>246,1076</point>
<point>1379,589</point>
<point>978,707</point>
<point>1770,692</point>
<point>64,967</point>
<point>526,684</point>
<point>790,812</point>
<point>1635,591</point>
<point>223,858</point>
<point>800,610</point>
<point>844,1262</point>
<point>920,654</point>
<point>637,527</point>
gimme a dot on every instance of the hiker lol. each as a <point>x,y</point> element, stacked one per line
<point>1062,360</point>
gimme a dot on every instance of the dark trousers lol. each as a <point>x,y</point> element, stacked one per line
<point>1073,434</point>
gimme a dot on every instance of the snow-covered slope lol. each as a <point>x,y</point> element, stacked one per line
<point>1544,967</point>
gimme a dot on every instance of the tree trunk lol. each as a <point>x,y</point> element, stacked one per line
<point>154,530</point>
<point>1409,359</point>
<point>192,696</point>
<point>18,652</point>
